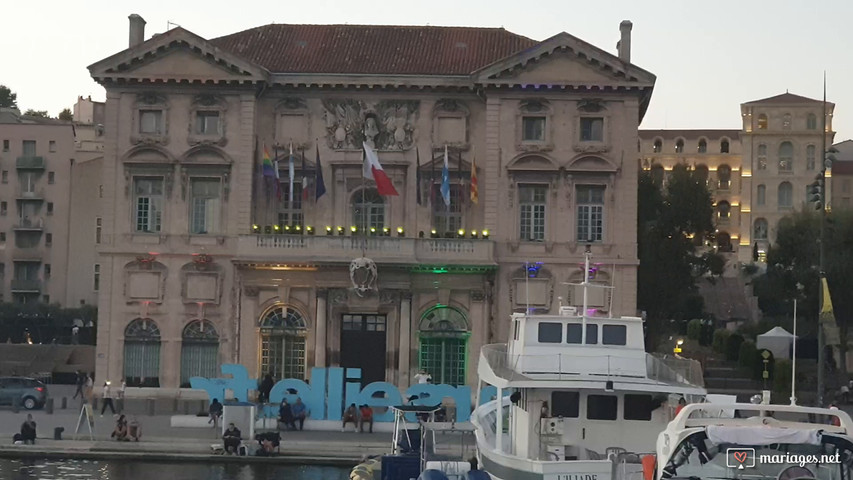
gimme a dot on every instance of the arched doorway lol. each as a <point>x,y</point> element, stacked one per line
<point>199,351</point>
<point>142,353</point>
<point>443,351</point>
<point>724,242</point>
<point>283,331</point>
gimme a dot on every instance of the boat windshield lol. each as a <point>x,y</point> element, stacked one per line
<point>697,457</point>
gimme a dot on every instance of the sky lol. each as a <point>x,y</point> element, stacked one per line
<point>709,57</point>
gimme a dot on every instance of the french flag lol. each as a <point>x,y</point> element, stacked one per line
<point>372,170</point>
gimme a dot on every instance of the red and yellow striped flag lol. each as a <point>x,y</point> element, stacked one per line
<point>475,191</point>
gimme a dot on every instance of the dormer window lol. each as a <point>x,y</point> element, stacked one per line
<point>724,146</point>
<point>151,122</point>
<point>592,129</point>
<point>533,129</point>
<point>679,146</point>
<point>703,146</point>
<point>207,122</point>
<point>658,147</point>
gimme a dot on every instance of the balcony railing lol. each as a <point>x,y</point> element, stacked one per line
<point>323,248</point>
<point>20,285</point>
<point>31,194</point>
<point>33,224</point>
<point>30,162</point>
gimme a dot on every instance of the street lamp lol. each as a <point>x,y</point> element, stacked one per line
<point>678,345</point>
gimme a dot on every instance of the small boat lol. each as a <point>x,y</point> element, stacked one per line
<point>576,396</point>
<point>424,449</point>
<point>747,440</point>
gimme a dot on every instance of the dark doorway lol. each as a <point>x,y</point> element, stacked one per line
<point>363,345</point>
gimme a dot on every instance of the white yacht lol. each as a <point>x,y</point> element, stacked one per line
<point>734,441</point>
<point>576,396</point>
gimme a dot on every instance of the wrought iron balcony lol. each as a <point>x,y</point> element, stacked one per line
<point>30,162</point>
<point>342,249</point>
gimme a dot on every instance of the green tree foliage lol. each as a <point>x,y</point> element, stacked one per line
<point>721,336</point>
<point>792,270</point>
<point>66,115</point>
<point>37,113</point>
<point>733,344</point>
<point>694,329</point>
<point>8,98</point>
<point>670,225</point>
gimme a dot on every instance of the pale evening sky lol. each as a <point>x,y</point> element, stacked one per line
<point>708,56</point>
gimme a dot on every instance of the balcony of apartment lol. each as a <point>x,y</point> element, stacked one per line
<point>20,285</point>
<point>30,194</point>
<point>334,248</point>
<point>30,162</point>
<point>29,224</point>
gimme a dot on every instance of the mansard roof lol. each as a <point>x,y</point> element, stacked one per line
<point>373,49</point>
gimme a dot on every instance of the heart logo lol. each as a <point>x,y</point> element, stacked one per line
<point>740,456</point>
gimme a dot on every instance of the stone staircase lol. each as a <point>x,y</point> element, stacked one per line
<point>724,377</point>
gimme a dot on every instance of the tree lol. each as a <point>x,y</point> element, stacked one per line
<point>37,113</point>
<point>670,225</point>
<point>8,99</point>
<point>66,115</point>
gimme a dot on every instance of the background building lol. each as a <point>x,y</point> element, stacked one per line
<point>756,175</point>
<point>205,260</point>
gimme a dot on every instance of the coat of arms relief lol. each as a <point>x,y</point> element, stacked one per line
<point>384,125</point>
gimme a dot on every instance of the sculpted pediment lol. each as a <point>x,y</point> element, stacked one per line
<point>536,163</point>
<point>591,163</point>
<point>178,55</point>
<point>564,60</point>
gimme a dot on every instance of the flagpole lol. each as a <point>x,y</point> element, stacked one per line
<point>794,357</point>
<point>821,335</point>
<point>363,209</point>
<point>277,186</point>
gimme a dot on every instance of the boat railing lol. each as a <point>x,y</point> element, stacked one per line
<point>674,370</point>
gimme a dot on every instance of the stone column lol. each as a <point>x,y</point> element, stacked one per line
<point>320,337</point>
<point>405,335</point>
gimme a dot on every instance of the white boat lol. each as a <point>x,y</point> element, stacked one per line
<point>745,440</point>
<point>605,399</point>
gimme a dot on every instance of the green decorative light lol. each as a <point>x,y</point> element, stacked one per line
<point>439,270</point>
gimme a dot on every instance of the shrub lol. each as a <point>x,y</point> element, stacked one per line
<point>694,329</point>
<point>748,355</point>
<point>733,346</point>
<point>707,335</point>
<point>719,342</point>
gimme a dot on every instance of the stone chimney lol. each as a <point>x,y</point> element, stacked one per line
<point>137,30</point>
<point>624,45</point>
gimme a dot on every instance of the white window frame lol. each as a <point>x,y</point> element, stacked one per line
<point>201,123</point>
<point>154,204</point>
<point>543,132</point>
<point>532,212</point>
<point>205,213</point>
<point>590,214</point>
<point>602,131</point>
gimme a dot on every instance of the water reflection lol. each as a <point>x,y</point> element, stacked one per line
<point>41,469</point>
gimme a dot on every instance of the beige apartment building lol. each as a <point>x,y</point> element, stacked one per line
<point>757,174</point>
<point>35,163</point>
<point>204,260</point>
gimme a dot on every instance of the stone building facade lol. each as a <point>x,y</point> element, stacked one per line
<point>206,260</point>
<point>757,174</point>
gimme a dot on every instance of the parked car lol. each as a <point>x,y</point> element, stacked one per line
<point>28,392</point>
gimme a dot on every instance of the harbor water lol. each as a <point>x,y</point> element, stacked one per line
<point>48,469</point>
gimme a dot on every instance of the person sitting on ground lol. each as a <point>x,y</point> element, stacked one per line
<point>285,415</point>
<point>215,412</point>
<point>350,415</point>
<point>269,442</point>
<point>365,417</point>
<point>299,411</point>
<point>134,429</point>
<point>120,432</point>
<point>28,430</point>
<point>232,438</point>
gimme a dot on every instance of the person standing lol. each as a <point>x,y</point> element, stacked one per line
<point>423,377</point>
<point>108,399</point>
<point>81,382</point>
<point>90,387</point>
<point>265,388</point>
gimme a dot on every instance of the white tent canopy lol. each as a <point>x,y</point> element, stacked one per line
<point>777,340</point>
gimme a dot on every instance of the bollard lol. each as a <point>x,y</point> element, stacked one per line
<point>48,406</point>
<point>64,403</point>
<point>150,403</point>
<point>57,433</point>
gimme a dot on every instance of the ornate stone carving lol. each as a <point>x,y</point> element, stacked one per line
<point>477,295</point>
<point>385,125</point>
<point>251,291</point>
<point>338,296</point>
<point>363,274</point>
<point>591,148</point>
<point>389,297</point>
<point>291,103</point>
<point>591,105</point>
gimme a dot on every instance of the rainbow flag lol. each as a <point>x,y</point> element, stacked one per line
<point>475,189</point>
<point>269,171</point>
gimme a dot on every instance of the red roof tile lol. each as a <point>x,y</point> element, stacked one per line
<point>373,49</point>
<point>785,98</point>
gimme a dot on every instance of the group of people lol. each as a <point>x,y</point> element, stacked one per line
<point>359,417</point>
<point>289,415</point>
<point>86,384</point>
<point>125,432</point>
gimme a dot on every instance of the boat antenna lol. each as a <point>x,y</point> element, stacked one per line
<point>527,287</point>
<point>587,255</point>
<point>613,287</point>
<point>794,358</point>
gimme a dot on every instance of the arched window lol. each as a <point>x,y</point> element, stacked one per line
<point>142,353</point>
<point>762,157</point>
<point>761,195</point>
<point>762,122</point>
<point>724,210</point>
<point>785,195</point>
<point>199,351</point>
<point>759,229</point>
<point>724,146</point>
<point>283,331</point>
<point>811,122</point>
<point>368,210</point>
<point>786,121</point>
<point>679,146</point>
<point>657,175</point>
<point>443,334</point>
<point>703,146</point>
<point>810,157</point>
<point>724,177</point>
<point>701,173</point>
<point>658,148</point>
<point>786,157</point>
